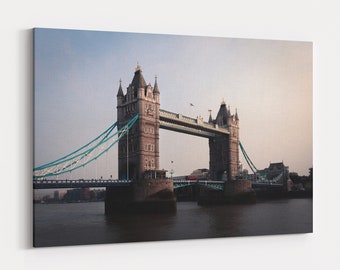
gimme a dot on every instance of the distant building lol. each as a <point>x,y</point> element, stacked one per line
<point>78,194</point>
<point>275,170</point>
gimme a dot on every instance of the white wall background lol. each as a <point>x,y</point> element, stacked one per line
<point>316,21</point>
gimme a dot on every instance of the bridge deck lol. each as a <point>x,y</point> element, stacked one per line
<point>48,184</point>
<point>81,183</point>
<point>178,183</point>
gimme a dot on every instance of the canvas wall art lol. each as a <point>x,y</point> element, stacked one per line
<point>153,137</point>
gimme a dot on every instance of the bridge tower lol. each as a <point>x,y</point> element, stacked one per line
<point>224,150</point>
<point>139,150</point>
<point>138,153</point>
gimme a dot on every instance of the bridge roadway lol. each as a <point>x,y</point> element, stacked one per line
<point>82,183</point>
<point>177,122</point>
<point>178,183</point>
<point>266,184</point>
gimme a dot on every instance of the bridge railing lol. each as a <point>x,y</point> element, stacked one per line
<point>218,185</point>
<point>80,183</point>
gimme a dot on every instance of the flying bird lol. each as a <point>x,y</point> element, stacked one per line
<point>191,104</point>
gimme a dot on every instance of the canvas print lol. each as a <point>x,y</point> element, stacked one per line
<point>152,137</point>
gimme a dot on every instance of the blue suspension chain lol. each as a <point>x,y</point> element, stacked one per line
<point>250,163</point>
<point>73,165</point>
<point>62,159</point>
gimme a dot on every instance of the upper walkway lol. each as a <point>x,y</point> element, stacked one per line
<point>180,123</point>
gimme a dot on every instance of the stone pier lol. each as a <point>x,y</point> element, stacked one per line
<point>235,191</point>
<point>144,196</point>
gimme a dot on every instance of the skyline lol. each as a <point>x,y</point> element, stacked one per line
<point>77,77</point>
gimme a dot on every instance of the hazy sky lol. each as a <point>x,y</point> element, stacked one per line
<point>77,77</point>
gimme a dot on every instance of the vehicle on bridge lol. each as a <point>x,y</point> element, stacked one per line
<point>199,174</point>
<point>191,177</point>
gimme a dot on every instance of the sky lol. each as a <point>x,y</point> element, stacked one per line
<point>270,83</point>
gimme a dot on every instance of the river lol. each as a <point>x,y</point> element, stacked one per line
<point>85,223</point>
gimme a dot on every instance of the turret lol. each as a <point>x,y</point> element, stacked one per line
<point>236,115</point>
<point>156,92</point>
<point>210,118</point>
<point>120,90</point>
<point>120,94</point>
<point>155,88</point>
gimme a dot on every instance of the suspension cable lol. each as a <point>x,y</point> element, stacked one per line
<point>106,133</point>
<point>251,164</point>
<point>86,154</point>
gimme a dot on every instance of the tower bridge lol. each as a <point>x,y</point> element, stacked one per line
<point>139,151</point>
<point>141,184</point>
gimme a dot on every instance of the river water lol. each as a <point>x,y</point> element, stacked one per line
<point>85,223</point>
